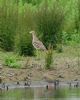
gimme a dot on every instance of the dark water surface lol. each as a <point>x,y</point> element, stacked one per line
<point>41,94</point>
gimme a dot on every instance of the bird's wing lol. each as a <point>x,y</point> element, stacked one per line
<point>39,45</point>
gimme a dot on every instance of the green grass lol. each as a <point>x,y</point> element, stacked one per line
<point>48,59</point>
<point>3,55</point>
<point>11,62</point>
<point>12,59</point>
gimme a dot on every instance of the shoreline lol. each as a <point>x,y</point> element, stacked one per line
<point>37,84</point>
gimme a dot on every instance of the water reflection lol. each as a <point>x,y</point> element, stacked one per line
<point>41,94</point>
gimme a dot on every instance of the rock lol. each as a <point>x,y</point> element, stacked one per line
<point>11,74</point>
<point>26,78</point>
<point>60,76</point>
<point>76,80</point>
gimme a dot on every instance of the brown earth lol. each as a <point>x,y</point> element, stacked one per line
<point>63,68</point>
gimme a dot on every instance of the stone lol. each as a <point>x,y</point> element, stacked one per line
<point>76,80</point>
<point>11,74</point>
<point>60,76</point>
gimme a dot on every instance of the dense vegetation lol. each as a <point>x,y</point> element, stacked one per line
<point>56,22</point>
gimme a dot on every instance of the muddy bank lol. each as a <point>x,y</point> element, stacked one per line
<point>13,75</point>
<point>34,74</point>
<point>63,69</point>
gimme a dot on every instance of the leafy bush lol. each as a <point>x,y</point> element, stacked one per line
<point>8,20</point>
<point>33,2</point>
<point>49,20</point>
<point>24,45</point>
<point>11,62</point>
<point>45,16</point>
<point>23,40</point>
<point>70,38</point>
<point>6,41</point>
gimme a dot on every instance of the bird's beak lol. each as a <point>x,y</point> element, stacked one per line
<point>30,32</point>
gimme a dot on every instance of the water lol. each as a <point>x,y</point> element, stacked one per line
<point>41,94</point>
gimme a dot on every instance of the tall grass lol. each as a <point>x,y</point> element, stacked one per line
<point>8,26</point>
<point>23,45</point>
<point>49,59</point>
<point>49,21</point>
<point>48,17</point>
<point>23,40</point>
<point>16,20</point>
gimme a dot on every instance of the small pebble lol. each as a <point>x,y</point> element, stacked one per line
<point>60,76</point>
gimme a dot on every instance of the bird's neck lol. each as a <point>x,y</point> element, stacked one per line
<point>34,37</point>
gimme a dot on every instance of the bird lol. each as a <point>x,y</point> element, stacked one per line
<point>36,42</point>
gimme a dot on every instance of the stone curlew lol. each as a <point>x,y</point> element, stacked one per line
<point>36,42</point>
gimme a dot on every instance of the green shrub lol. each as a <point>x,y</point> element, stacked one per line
<point>49,20</point>
<point>6,41</point>
<point>33,2</point>
<point>11,62</point>
<point>48,59</point>
<point>45,16</point>
<point>24,45</point>
<point>70,38</point>
<point>8,23</point>
<point>23,40</point>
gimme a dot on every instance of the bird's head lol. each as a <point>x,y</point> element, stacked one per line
<point>32,32</point>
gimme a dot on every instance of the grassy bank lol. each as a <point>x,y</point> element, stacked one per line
<point>65,66</point>
<point>67,51</point>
